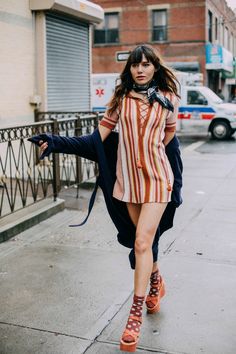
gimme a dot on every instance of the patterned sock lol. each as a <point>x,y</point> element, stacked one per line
<point>154,281</point>
<point>136,310</point>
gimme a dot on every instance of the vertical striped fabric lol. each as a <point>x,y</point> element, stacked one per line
<point>143,171</point>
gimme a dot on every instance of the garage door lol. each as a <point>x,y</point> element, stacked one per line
<point>68,63</point>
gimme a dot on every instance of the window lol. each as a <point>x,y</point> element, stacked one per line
<point>216,29</point>
<point>209,26</point>
<point>222,33</point>
<point>108,30</point>
<point>159,25</point>
<point>231,43</point>
<point>195,97</point>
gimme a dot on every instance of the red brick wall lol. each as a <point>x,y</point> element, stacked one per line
<point>186,32</point>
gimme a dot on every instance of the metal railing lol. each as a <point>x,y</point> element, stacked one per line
<point>24,179</point>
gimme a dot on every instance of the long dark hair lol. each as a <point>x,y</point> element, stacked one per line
<point>164,77</point>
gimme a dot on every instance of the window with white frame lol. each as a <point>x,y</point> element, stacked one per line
<point>108,30</point>
<point>159,25</point>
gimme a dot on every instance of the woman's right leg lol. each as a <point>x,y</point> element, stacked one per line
<point>157,286</point>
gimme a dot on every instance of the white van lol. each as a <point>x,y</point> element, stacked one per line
<point>201,110</point>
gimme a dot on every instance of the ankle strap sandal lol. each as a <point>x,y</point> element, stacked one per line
<point>157,291</point>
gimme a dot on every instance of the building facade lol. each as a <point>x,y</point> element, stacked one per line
<point>191,35</point>
<point>45,57</point>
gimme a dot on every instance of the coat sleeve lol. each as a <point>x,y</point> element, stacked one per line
<point>174,157</point>
<point>82,146</point>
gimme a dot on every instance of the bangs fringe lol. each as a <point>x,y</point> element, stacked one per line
<point>137,55</point>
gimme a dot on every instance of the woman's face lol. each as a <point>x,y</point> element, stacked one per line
<point>142,73</point>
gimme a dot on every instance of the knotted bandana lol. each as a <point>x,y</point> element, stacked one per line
<point>151,90</point>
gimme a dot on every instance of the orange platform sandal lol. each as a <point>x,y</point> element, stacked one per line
<point>157,291</point>
<point>130,336</point>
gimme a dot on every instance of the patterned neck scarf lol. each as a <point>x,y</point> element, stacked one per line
<point>151,90</point>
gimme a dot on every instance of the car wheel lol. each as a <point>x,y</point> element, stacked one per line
<point>220,130</point>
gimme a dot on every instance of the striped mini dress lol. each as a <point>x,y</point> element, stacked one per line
<point>143,172</point>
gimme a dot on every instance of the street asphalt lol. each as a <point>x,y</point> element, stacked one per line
<point>68,290</point>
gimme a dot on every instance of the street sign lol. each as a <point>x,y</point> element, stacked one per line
<point>122,56</point>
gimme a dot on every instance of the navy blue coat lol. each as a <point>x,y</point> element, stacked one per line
<point>105,154</point>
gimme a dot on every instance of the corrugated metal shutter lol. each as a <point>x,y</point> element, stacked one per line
<point>68,69</point>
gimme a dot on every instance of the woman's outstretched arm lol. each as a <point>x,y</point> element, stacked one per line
<point>82,146</point>
<point>69,145</point>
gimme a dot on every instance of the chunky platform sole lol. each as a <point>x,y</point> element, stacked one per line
<point>128,347</point>
<point>156,308</point>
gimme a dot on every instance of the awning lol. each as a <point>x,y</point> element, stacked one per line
<point>82,9</point>
<point>186,66</point>
<point>218,58</point>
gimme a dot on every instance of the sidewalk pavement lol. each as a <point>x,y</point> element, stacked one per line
<point>68,290</point>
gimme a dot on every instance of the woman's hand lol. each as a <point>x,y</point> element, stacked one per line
<point>43,146</point>
<point>168,137</point>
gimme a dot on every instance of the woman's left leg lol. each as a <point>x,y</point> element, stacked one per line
<point>148,221</point>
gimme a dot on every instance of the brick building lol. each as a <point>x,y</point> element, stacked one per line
<point>192,36</point>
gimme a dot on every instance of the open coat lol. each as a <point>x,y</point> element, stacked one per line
<point>105,154</point>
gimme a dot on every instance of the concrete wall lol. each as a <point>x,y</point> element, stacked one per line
<point>16,62</point>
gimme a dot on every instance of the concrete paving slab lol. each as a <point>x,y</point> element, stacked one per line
<point>97,233</point>
<point>208,210</point>
<point>61,289</point>
<point>210,234</point>
<point>197,314</point>
<point>212,240</point>
<point>196,164</point>
<point>19,340</point>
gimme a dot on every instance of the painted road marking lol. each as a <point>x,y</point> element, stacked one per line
<point>193,146</point>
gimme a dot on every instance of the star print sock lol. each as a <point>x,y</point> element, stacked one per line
<point>136,310</point>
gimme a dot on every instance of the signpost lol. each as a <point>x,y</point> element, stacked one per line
<point>122,56</point>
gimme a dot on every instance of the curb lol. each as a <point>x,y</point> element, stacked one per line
<point>23,219</point>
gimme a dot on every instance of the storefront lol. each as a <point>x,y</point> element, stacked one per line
<point>219,62</point>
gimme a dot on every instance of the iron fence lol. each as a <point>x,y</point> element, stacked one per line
<point>24,178</point>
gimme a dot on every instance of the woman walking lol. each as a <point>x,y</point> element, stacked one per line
<point>144,176</point>
<point>145,107</point>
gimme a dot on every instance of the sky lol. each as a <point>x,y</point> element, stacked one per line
<point>231,3</point>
